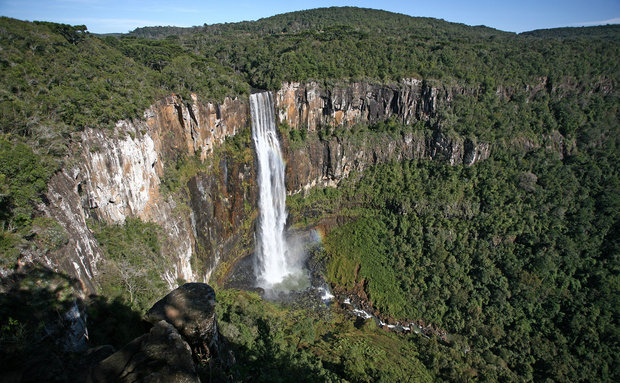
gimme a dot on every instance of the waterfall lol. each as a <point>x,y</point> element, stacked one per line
<point>271,249</point>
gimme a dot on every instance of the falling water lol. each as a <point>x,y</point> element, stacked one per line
<point>271,249</point>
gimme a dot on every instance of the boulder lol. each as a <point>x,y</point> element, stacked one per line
<point>159,356</point>
<point>191,310</point>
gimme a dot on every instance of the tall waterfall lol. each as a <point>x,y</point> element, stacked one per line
<point>271,249</point>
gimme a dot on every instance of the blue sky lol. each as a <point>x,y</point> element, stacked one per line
<point>106,16</point>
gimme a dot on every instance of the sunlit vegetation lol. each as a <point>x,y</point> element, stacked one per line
<point>281,344</point>
<point>23,179</point>
<point>516,255</point>
<point>351,43</point>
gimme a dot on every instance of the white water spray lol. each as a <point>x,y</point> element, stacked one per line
<point>271,267</point>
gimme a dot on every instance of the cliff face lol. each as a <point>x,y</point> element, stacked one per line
<point>119,175</point>
<point>326,161</point>
<point>311,106</point>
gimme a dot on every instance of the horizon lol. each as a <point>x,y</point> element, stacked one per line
<point>102,17</point>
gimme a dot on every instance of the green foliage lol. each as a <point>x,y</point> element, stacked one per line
<point>279,344</point>
<point>296,138</point>
<point>510,254</point>
<point>516,257</point>
<point>23,178</point>
<point>239,147</point>
<point>35,330</point>
<point>9,243</point>
<point>353,43</point>
<point>500,254</point>
<point>177,175</point>
<point>57,79</point>
<point>48,234</point>
<point>598,32</point>
<point>362,259</point>
<point>28,302</point>
<point>134,262</point>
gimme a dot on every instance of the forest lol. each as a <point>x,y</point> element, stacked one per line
<point>516,258</point>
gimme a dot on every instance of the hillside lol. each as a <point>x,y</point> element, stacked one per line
<point>462,178</point>
<point>352,43</point>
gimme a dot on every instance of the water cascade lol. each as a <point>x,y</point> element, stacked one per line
<point>271,267</point>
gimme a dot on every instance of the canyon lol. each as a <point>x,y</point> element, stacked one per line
<point>209,222</point>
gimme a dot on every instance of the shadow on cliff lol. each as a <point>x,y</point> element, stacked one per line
<point>43,335</point>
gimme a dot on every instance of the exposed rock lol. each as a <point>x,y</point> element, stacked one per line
<point>79,257</point>
<point>311,106</point>
<point>121,171</point>
<point>191,310</point>
<point>218,204</point>
<point>327,162</point>
<point>162,355</point>
<point>119,176</point>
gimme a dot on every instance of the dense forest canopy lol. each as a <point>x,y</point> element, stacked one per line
<point>516,258</point>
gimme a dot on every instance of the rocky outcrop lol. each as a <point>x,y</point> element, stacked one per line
<point>184,334</point>
<point>191,310</point>
<point>327,162</point>
<point>81,254</point>
<point>222,212</point>
<point>120,171</point>
<point>162,355</point>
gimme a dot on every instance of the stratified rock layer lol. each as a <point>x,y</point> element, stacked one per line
<point>119,175</point>
<point>312,106</point>
<point>325,162</point>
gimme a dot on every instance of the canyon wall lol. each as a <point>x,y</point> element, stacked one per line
<point>331,158</point>
<point>119,173</point>
<point>312,106</point>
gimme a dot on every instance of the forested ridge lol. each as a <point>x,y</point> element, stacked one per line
<point>516,257</point>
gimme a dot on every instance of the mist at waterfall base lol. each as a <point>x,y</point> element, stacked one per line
<point>279,261</point>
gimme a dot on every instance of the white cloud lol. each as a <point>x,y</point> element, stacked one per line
<point>615,20</point>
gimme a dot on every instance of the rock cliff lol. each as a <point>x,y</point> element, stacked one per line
<point>312,106</point>
<point>327,160</point>
<point>119,174</point>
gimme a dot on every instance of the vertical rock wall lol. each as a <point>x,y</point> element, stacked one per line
<point>311,106</point>
<point>119,175</point>
<point>328,160</point>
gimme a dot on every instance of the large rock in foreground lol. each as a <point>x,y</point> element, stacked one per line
<point>157,357</point>
<point>191,310</point>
